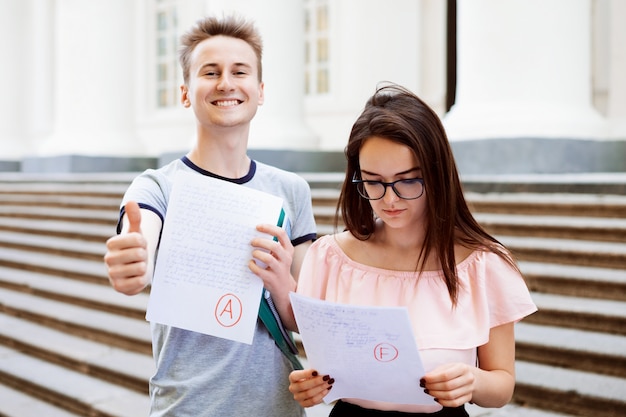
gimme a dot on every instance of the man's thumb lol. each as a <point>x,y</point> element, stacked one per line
<point>134,217</point>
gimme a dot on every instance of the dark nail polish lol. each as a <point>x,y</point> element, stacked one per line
<point>315,373</point>
<point>331,381</point>
<point>325,378</point>
<point>426,391</point>
<point>436,399</point>
<point>422,383</point>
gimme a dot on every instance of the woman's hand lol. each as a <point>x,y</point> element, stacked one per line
<point>308,387</point>
<point>452,384</point>
<point>490,385</point>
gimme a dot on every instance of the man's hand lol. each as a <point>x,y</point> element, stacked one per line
<point>127,255</point>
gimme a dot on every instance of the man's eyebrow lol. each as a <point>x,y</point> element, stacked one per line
<point>212,65</point>
<point>242,64</point>
<point>207,66</point>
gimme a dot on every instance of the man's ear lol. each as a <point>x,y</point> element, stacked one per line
<point>261,93</point>
<point>184,96</point>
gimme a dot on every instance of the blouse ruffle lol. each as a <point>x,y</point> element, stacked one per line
<point>491,293</point>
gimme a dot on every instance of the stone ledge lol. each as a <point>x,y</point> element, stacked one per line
<point>539,156</point>
<point>84,163</point>
<point>504,156</point>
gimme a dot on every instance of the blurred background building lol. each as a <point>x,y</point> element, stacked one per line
<point>523,86</point>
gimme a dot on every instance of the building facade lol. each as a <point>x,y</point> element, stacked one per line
<point>521,85</point>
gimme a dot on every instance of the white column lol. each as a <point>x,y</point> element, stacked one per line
<point>617,82</point>
<point>93,79</point>
<point>13,101</point>
<point>39,57</point>
<point>279,123</point>
<point>524,71</point>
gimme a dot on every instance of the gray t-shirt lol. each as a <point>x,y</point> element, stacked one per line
<point>205,376</point>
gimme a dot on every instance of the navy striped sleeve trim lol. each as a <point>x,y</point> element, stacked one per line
<point>305,238</point>
<point>141,206</point>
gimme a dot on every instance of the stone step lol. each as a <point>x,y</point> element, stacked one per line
<point>115,330</point>
<point>325,197</point>
<point>569,391</point>
<point>588,351</point>
<point>111,184</point>
<point>107,217</point>
<point>511,410</point>
<point>53,245</point>
<point>600,183</point>
<point>67,229</point>
<point>567,251</point>
<point>128,369</point>
<point>597,315</point>
<point>73,391</point>
<point>562,227</point>
<point>556,204</point>
<point>14,403</point>
<point>576,281</point>
<point>324,214</point>
<point>96,296</point>
<point>27,199</point>
<point>323,180</point>
<point>75,268</point>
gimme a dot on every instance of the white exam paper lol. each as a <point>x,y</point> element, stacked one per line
<point>369,351</point>
<point>202,281</point>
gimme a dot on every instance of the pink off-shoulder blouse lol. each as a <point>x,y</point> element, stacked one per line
<point>491,294</point>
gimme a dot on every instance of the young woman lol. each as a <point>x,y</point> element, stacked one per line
<point>411,241</point>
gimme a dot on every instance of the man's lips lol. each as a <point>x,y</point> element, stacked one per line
<point>226,103</point>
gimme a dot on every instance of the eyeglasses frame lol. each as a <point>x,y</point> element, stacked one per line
<point>387,184</point>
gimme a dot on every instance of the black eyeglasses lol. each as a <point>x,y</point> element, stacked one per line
<point>408,189</point>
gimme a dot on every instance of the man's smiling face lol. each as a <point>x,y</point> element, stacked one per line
<point>223,88</point>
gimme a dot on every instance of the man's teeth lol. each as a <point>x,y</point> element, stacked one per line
<point>227,103</point>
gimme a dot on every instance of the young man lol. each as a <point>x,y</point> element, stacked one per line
<point>201,375</point>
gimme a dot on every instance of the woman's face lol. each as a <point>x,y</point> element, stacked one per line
<point>384,160</point>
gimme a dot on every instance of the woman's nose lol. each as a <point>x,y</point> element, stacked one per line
<point>390,194</point>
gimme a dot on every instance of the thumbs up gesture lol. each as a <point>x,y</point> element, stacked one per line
<point>127,255</point>
<point>133,215</point>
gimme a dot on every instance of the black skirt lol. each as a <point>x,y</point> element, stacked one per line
<point>344,409</point>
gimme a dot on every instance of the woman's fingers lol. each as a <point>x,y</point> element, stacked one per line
<point>309,388</point>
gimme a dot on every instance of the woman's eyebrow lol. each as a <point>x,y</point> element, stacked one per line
<point>408,171</point>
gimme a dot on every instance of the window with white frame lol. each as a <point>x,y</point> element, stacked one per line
<point>166,53</point>
<point>317,52</point>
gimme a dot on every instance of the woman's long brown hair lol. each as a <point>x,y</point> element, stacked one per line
<point>397,114</point>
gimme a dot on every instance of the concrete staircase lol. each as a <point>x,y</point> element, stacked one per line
<point>71,346</point>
